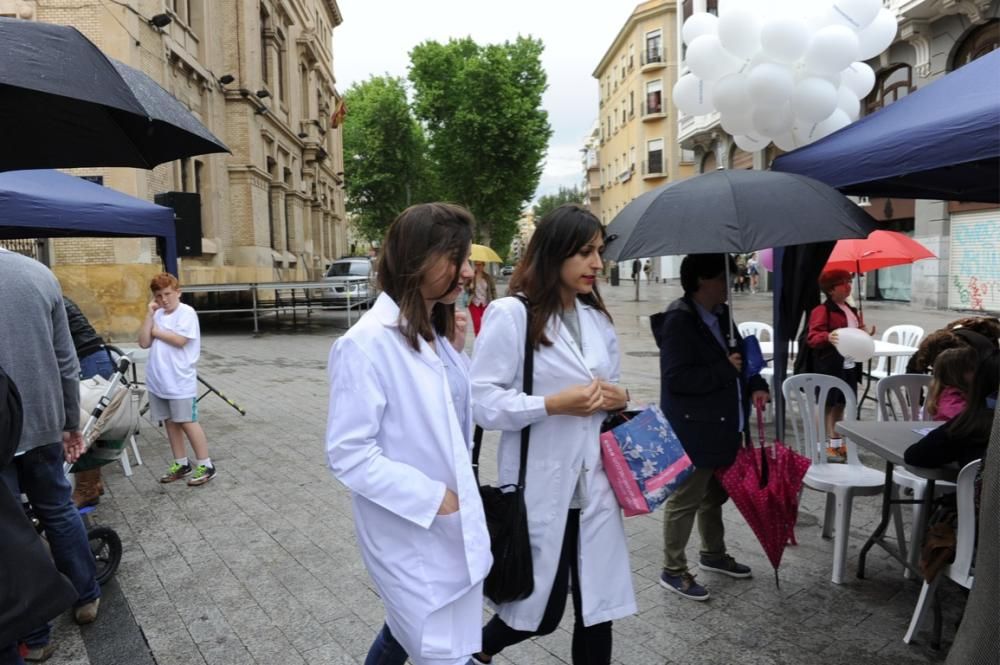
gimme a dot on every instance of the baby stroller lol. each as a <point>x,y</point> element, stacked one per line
<point>111,420</point>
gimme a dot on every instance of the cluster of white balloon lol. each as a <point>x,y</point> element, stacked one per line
<point>780,70</point>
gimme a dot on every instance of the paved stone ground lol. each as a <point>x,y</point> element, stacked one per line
<point>260,565</point>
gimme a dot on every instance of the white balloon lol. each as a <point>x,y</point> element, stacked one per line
<point>730,94</point>
<point>770,84</point>
<point>708,60</point>
<point>859,78</point>
<point>693,95</point>
<point>832,49</point>
<point>739,31</point>
<point>751,143</point>
<point>837,121</point>
<point>785,38</point>
<point>814,99</point>
<point>848,102</point>
<point>854,14</point>
<point>878,36</point>
<point>786,142</point>
<point>772,120</point>
<point>855,344</point>
<point>697,25</point>
<point>737,123</point>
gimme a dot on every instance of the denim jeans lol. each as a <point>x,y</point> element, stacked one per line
<point>97,363</point>
<point>385,650</point>
<point>39,474</point>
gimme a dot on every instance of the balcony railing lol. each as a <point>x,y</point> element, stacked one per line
<point>652,55</point>
<point>653,166</point>
<point>654,110</point>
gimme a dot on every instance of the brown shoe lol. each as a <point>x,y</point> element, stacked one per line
<point>87,613</point>
<point>88,488</point>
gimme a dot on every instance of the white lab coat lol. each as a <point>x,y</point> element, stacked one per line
<point>559,448</point>
<point>394,440</point>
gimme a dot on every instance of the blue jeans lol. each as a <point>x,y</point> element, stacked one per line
<point>97,363</point>
<point>39,474</point>
<point>385,650</point>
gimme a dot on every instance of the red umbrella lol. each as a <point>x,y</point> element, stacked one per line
<point>881,249</point>
<point>764,484</point>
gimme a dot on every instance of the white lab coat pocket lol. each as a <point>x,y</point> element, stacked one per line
<point>445,571</point>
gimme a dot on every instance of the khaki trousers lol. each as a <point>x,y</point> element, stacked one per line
<point>700,496</point>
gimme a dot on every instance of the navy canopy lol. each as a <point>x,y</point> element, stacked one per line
<point>940,142</point>
<point>50,204</point>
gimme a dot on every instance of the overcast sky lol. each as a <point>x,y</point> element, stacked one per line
<point>376,37</point>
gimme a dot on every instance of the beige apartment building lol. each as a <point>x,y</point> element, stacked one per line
<point>259,75</point>
<point>636,139</point>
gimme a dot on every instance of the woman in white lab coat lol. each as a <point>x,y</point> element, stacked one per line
<point>398,434</point>
<point>574,521</point>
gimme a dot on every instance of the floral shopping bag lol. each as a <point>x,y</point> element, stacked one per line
<point>644,460</point>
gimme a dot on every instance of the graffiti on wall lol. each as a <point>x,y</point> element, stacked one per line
<point>974,277</point>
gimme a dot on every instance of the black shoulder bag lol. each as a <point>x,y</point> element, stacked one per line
<point>512,575</point>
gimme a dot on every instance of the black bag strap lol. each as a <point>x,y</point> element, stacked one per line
<point>528,381</point>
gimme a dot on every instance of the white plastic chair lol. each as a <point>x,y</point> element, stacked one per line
<point>806,395</point>
<point>961,570</point>
<point>905,334</point>
<point>763,331</point>
<point>901,397</point>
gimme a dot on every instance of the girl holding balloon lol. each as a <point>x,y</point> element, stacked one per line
<point>824,340</point>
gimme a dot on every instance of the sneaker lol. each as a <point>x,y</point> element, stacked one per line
<point>683,585</point>
<point>726,565</point>
<point>202,475</point>
<point>834,454</point>
<point>87,613</point>
<point>40,654</point>
<point>176,472</point>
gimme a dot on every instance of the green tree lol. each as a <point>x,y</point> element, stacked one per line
<point>486,130</point>
<point>385,166</point>
<point>550,202</point>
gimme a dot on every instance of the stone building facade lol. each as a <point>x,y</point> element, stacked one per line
<point>259,74</point>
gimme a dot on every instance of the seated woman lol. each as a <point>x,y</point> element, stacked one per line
<point>965,438</point>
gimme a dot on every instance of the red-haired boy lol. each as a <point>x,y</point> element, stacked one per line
<point>173,337</point>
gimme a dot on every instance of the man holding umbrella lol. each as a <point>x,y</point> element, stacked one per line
<point>706,396</point>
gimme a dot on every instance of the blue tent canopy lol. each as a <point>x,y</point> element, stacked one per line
<point>940,142</point>
<point>50,204</point>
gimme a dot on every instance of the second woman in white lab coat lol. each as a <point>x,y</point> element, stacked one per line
<point>398,434</point>
<point>574,521</point>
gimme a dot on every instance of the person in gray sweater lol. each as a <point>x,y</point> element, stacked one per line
<point>36,351</point>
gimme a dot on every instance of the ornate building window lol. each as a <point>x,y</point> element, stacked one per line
<point>891,84</point>
<point>978,43</point>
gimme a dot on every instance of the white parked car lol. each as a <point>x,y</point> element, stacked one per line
<point>352,281</point>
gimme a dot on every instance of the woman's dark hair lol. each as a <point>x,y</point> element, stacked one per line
<point>703,266</point>
<point>974,423</point>
<point>415,241</point>
<point>950,370</point>
<point>831,279</point>
<point>558,236</point>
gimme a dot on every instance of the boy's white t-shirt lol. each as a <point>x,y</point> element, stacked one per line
<point>171,371</point>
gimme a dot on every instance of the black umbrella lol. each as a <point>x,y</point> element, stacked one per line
<point>64,104</point>
<point>734,211</point>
